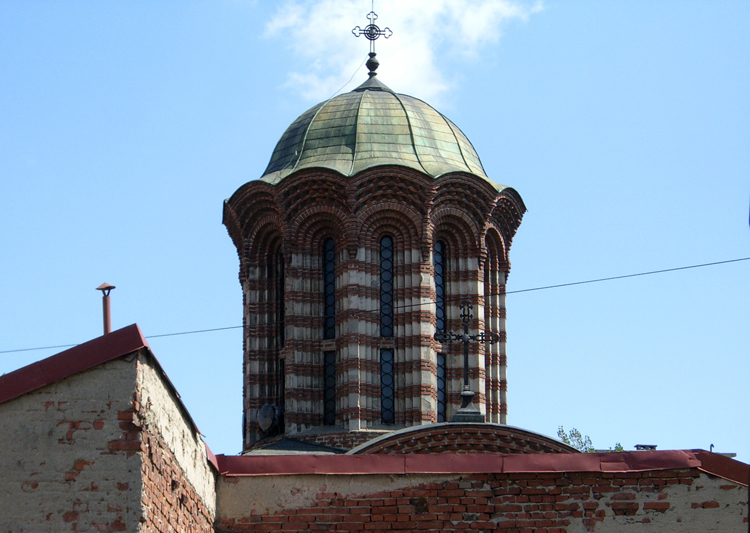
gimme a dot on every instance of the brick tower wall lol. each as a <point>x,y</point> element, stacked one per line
<point>293,218</point>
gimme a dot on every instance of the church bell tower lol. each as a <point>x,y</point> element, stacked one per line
<point>373,260</point>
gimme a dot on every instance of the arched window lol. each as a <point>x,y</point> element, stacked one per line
<point>329,289</point>
<point>329,331</point>
<point>275,318</point>
<point>387,385</point>
<point>439,263</point>
<point>438,259</point>
<point>386,287</point>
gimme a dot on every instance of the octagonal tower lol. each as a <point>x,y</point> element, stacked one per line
<point>372,222</point>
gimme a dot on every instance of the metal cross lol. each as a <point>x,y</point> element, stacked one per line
<point>467,413</point>
<point>372,31</point>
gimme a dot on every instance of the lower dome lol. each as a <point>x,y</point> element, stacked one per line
<point>373,126</point>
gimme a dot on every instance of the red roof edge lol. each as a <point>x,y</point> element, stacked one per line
<point>77,359</point>
<point>446,463</point>
<point>724,467</point>
<point>211,457</point>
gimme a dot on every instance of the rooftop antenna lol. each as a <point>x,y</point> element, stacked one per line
<point>372,32</point>
<point>106,288</point>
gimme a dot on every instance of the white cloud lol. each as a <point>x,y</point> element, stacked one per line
<point>424,31</point>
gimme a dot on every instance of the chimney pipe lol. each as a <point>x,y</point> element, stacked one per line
<point>106,288</point>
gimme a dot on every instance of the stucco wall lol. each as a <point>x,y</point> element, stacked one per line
<point>684,500</point>
<point>106,449</point>
<point>66,464</point>
<point>179,483</point>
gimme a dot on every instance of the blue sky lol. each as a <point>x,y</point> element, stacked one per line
<point>625,126</point>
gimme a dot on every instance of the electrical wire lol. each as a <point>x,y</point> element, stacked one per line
<point>629,275</point>
<point>190,332</point>
<point>571,284</point>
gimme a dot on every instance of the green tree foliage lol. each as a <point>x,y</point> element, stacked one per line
<point>576,440</point>
<point>582,443</point>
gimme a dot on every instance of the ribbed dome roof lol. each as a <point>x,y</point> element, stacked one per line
<point>369,127</point>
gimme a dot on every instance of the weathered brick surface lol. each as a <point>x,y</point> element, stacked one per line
<point>178,492</point>
<point>515,503</point>
<point>336,438</point>
<point>70,461</point>
<point>464,438</point>
<point>107,449</point>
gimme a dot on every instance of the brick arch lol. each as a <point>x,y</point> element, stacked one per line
<point>456,230</point>
<point>394,219</point>
<point>494,243</point>
<point>245,205</point>
<point>462,438</point>
<point>302,190</point>
<point>257,243</point>
<point>311,226</point>
<point>506,215</point>
<point>475,198</point>
<point>403,186</point>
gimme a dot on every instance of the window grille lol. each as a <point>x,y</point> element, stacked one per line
<point>329,289</point>
<point>329,388</point>
<point>439,256</point>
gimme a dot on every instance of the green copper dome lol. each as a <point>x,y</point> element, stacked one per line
<point>369,127</point>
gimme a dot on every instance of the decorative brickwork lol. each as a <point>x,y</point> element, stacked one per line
<point>476,222</point>
<point>463,438</point>
<point>338,439</point>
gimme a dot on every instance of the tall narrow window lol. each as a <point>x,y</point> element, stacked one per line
<point>387,410</point>
<point>275,328</point>
<point>329,289</point>
<point>275,272</point>
<point>386,287</point>
<point>329,331</point>
<point>282,385</point>
<point>439,265</point>
<point>441,387</point>
<point>387,406</point>
<point>329,388</point>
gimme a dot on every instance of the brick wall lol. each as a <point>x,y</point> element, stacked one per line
<point>463,438</point>
<point>68,461</point>
<point>335,438</point>
<point>178,491</point>
<point>668,500</point>
<point>107,449</point>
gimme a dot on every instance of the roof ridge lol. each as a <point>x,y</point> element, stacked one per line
<point>72,361</point>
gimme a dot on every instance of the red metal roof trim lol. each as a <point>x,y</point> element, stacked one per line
<point>446,463</point>
<point>211,457</point>
<point>77,359</point>
<point>724,467</point>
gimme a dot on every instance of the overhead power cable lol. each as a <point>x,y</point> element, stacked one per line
<point>407,306</point>
<point>628,275</point>
<point>190,332</point>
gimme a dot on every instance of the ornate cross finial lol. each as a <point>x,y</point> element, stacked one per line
<point>467,412</point>
<point>372,32</point>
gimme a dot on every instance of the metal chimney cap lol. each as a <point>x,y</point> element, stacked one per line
<point>105,287</point>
